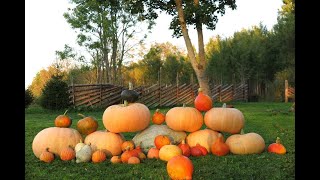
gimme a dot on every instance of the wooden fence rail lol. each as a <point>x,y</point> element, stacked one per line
<point>104,95</point>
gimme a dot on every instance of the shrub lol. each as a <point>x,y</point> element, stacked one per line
<point>55,94</point>
<point>28,98</point>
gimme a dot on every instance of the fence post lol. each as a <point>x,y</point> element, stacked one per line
<point>100,94</point>
<point>219,90</point>
<point>160,86</point>
<point>73,93</point>
<point>177,91</point>
<point>286,91</point>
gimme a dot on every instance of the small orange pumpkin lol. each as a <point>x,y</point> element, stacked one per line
<point>195,151</point>
<point>115,160</point>
<point>63,121</point>
<point>46,156</point>
<point>203,150</point>
<point>186,150</point>
<point>87,125</point>
<point>219,148</point>
<point>153,153</point>
<point>277,147</point>
<point>180,167</point>
<point>161,140</point>
<point>133,160</point>
<point>158,117</point>
<point>127,145</point>
<point>202,102</point>
<point>98,156</point>
<point>67,154</point>
<point>127,154</point>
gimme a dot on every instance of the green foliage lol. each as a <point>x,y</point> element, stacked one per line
<point>55,94</point>
<point>28,98</point>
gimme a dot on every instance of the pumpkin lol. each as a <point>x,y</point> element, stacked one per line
<point>55,139</point>
<point>87,125</point>
<point>186,150</point>
<point>158,117</point>
<point>169,151</point>
<point>127,145</point>
<point>161,140</point>
<point>219,148</point>
<point>133,160</point>
<point>98,156</point>
<point>146,137</point>
<point>109,142</point>
<point>138,149</point>
<point>224,119</point>
<point>202,102</point>
<point>63,120</point>
<point>277,147</point>
<point>141,156</point>
<point>126,117</point>
<point>67,154</point>
<point>195,151</point>
<point>129,95</point>
<point>153,153</point>
<point>46,156</point>
<point>180,167</point>
<point>115,160</point>
<point>127,154</point>
<point>205,137</point>
<point>184,119</point>
<point>203,150</point>
<point>250,143</point>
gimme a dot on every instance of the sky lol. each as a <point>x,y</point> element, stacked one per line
<point>46,30</point>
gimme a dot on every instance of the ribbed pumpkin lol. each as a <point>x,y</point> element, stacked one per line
<point>63,120</point>
<point>277,147</point>
<point>98,156</point>
<point>219,147</point>
<point>127,145</point>
<point>126,117</point>
<point>202,102</point>
<point>158,117</point>
<point>205,137</point>
<point>55,139</point>
<point>184,119</point>
<point>161,140</point>
<point>180,167</point>
<point>87,125</point>
<point>250,143</point>
<point>224,119</point>
<point>169,151</point>
<point>67,154</point>
<point>109,142</point>
<point>46,156</point>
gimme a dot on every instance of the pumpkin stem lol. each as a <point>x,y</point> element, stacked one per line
<point>224,105</point>
<point>125,103</point>
<point>157,110</point>
<point>89,144</point>
<point>79,114</point>
<point>47,149</point>
<point>219,135</point>
<point>242,131</point>
<point>65,112</point>
<point>130,86</point>
<point>183,105</point>
<point>183,141</point>
<point>80,140</point>
<point>278,140</point>
<point>200,90</point>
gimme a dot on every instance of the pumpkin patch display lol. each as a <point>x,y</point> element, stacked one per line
<point>63,120</point>
<point>224,119</point>
<point>46,156</point>
<point>169,151</point>
<point>277,147</point>
<point>187,119</point>
<point>87,125</point>
<point>55,139</point>
<point>180,167</point>
<point>158,117</point>
<point>204,137</point>
<point>202,102</point>
<point>109,142</point>
<point>219,147</point>
<point>250,143</point>
<point>161,140</point>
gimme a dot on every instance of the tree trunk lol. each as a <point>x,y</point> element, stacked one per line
<point>198,67</point>
<point>114,59</point>
<point>106,60</point>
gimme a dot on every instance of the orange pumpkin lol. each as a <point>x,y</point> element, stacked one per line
<point>55,139</point>
<point>63,120</point>
<point>169,151</point>
<point>161,140</point>
<point>141,156</point>
<point>153,153</point>
<point>202,102</point>
<point>133,160</point>
<point>219,148</point>
<point>115,160</point>
<point>186,150</point>
<point>158,117</point>
<point>98,156</point>
<point>195,151</point>
<point>126,118</point>
<point>202,149</point>
<point>277,147</point>
<point>87,125</point>
<point>46,156</point>
<point>127,154</point>
<point>184,119</point>
<point>180,167</point>
<point>127,145</point>
<point>224,119</point>
<point>67,154</point>
<point>205,137</point>
<point>109,142</point>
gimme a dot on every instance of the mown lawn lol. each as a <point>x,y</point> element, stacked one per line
<point>267,119</point>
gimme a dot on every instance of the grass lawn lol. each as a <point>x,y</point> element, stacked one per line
<point>267,119</point>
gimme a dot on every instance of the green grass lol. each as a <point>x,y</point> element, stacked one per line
<point>267,119</point>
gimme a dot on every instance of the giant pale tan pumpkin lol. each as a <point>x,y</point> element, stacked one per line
<point>184,119</point>
<point>205,137</point>
<point>250,143</point>
<point>224,119</point>
<point>126,117</point>
<point>56,139</point>
<point>109,142</point>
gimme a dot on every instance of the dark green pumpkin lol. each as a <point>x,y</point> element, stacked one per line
<point>129,95</point>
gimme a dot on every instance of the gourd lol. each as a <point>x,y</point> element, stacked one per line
<point>87,125</point>
<point>186,150</point>
<point>277,147</point>
<point>63,120</point>
<point>202,102</point>
<point>158,117</point>
<point>219,147</point>
<point>84,154</point>
<point>79,146</point>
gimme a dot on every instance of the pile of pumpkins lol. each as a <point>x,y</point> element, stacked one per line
<point>168,142</point>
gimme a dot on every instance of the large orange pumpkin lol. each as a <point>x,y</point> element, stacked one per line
<point>205,137</point>
<point>109,142</point>
<point>184,119</point>
<point>202,102</point>
<point>224,119</point>
<point>55,139</point>
<point>126,118</point>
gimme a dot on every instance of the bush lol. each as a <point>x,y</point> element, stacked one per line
<point>28,98</point>
<point>55,94</point>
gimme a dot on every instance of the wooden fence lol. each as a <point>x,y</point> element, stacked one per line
<point>104,95</point>
<point>289,92</point>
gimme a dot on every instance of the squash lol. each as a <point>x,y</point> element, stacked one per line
<point>161,140</point>
<point>277,147</point>
<point>202,102</point>
<point>108,142</point>
<point>195,151</point>
<point>184,119</point>
<point>219,148</point>
<point>127,145</point>
<point>79,146</point>
<point>98,156</point>
<point>180,167</point>
<point>55,139</point>
<point>87,125</point>
<point>84,154</point>
<point>169,151</point>
<point>142,156</point>
<point>127,154</point>
<point>115,160</point>
<point>129,95</point>
<point>46,156</point>
<point>153,153</point>
<point>250,143</point>
<point>205,137</point>
<point>186,150</point>
<point>158,117</point>
<point>133,160</point>
<point>224,119</point>
<point>63,120</point>
<point>67,154</point>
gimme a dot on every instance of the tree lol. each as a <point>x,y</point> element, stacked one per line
<point>189,12</point>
